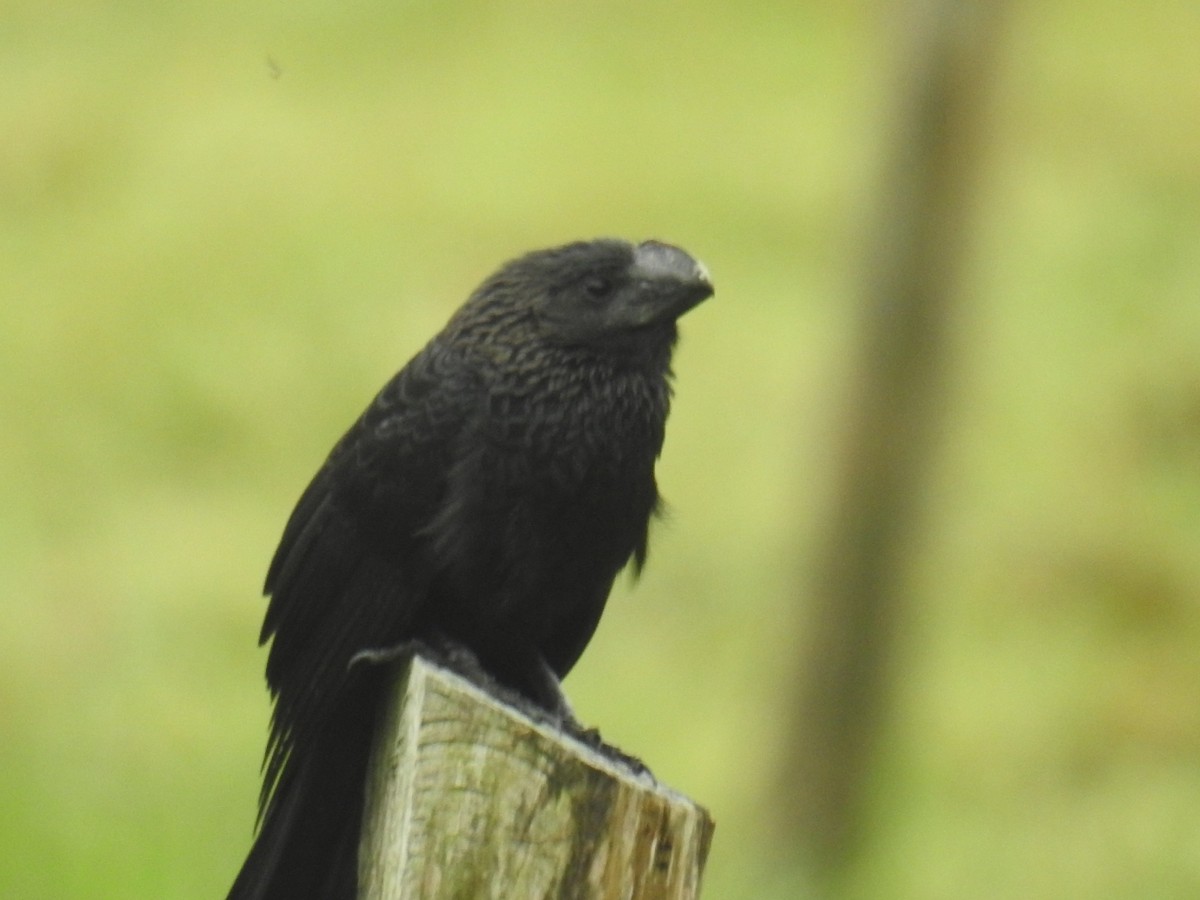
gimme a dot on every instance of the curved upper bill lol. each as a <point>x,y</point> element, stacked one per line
<point>679,280</point>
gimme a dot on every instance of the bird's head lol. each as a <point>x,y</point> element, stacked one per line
<point>603,293</point>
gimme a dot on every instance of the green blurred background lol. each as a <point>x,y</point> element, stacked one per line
<point>223,225</point>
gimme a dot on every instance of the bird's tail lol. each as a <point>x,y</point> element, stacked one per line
<point>307,843</point>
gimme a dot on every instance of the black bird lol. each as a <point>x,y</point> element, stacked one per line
<point>487,497</point>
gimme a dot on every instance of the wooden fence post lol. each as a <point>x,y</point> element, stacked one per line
<point>467,797</point>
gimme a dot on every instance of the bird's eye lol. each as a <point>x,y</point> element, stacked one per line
<point>597,287</point>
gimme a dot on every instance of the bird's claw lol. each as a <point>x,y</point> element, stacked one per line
<point>382,656</point>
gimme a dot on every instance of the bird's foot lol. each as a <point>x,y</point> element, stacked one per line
<point>591,737</point>
<point>384,656</point>
<point>436,648</point>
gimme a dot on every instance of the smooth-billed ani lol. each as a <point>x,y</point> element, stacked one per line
<point>487,497</point>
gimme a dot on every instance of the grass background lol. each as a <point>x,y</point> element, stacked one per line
<point>223,225</point>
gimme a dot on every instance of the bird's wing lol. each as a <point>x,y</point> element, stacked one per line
<point>351,571</point>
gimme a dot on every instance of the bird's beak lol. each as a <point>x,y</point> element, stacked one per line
<point>672,281</point>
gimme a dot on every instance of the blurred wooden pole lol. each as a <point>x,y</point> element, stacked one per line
<point>911,282</point>
<point>469,798</point>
